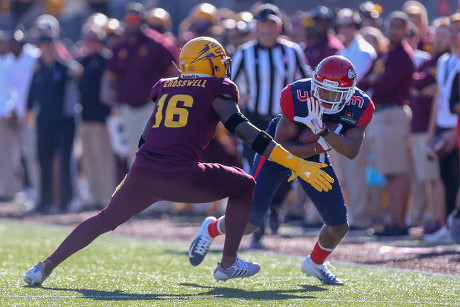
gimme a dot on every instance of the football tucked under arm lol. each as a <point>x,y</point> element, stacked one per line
<point>307,136</point>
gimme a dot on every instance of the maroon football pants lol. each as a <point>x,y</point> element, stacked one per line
<point>205,182</point>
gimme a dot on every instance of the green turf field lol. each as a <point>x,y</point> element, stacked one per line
<point>121,271</point>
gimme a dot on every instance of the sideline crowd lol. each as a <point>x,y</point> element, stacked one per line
<point>71,113</point>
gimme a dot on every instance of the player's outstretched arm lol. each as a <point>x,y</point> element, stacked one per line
<point>263,144</point>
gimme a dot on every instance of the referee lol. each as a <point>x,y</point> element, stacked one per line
<point>261,69</point>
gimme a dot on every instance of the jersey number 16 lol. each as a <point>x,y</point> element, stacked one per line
<point>174,117</point>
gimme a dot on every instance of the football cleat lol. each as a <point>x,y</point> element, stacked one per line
<point>200,245</point>
<point>321,272</point>
<point>239,269</point>
<point>36,275</point>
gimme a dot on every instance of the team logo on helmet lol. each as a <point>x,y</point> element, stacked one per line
<point>351,73</point>
<point>330,83</point>
<point>207,52</point>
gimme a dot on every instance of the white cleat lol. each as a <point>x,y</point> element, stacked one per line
<point>240,269</point>
<point>441,236</point>
<point>201,243</point>
<point>36,275</point>
<point>321,272</point>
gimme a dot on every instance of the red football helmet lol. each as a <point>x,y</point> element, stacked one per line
<point>333,83</point>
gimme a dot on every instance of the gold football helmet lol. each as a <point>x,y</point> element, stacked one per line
<point>204,56</point>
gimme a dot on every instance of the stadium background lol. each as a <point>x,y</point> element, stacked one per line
<point>73,12</point>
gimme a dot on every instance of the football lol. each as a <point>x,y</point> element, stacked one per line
<point>307,136</point>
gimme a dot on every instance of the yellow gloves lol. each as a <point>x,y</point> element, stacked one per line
<point>306,170</point>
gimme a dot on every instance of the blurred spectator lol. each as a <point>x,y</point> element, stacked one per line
<point>8,134</point>
<point>159,20</point>
<point>299,21</point>
<point>238,31</point>
<point>98,20</point>
<point>442,135</point>
<point>453,220</point>
<point>427,185</point>
<point>97,157</point>
<point>3,44</point>
<point>390,79</point>
<point>321,42</point>
<point>356,48</point>
<point>376,38</point>
<point>47,25</point>
<point>198,23</point>
<point>113,32</point>
<point>413,38</point>
<point>262,68</point>
<point>55,121</point>
<point>418,15</point>
<point>372,14</point>
<point>140,58</point>
<point>16,71</point>
<point>375,180</point>
<point>361,54</point>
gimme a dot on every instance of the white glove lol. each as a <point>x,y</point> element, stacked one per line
<point>324,144</point>
<point>314,119</point>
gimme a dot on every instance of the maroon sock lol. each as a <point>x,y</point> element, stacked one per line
<point>236,220</point>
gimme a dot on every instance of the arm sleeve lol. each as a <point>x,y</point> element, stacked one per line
<point>454,94</point>
<point>286,102</point>
<point>367,115</point>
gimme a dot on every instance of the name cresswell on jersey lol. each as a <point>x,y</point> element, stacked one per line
<point>178,83</point>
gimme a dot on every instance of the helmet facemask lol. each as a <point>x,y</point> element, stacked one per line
<point>226,62</point>
<point>333,83</point>
<point>228,66</point>
<point>332,97</point>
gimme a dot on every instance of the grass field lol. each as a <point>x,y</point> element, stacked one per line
<point>124,271</point>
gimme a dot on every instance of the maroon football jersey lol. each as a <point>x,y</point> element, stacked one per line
<point>183,121</point>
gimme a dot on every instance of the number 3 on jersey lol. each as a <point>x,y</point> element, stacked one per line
<point>174,117</point>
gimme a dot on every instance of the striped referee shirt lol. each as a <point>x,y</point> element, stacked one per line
<point>263,72</point>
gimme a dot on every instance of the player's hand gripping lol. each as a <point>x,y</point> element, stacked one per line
<point>312,173</point>
<point>314,119</point>
<point>308,171</point>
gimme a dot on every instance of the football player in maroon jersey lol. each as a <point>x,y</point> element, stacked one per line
<point>330,96</point>
<point>187,111</point>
